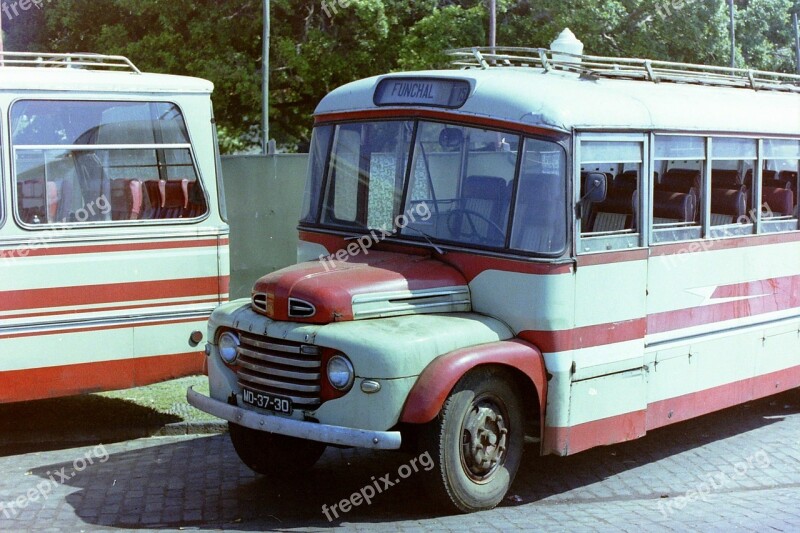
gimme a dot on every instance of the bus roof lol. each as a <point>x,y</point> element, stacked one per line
<point>22,71</point>
<point>563,100</point>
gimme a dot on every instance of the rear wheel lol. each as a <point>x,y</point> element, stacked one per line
<point>274,455</point>
<point>476,441</point>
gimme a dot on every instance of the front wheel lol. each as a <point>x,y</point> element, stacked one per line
<point>476,441</point>
<point>274,455</point>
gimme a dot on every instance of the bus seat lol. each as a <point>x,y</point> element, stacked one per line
<point>680,180</point>
<point>727,205</point>
<point>31,201</point>
<point>673,207</point>
<point>790,177</point>
<point>628,180</point>
<point>174,198</point>
<point>727,179</point>
<point>153,199</point>
<point>615,213</point>
<point>126,199</point>
<point>780,201</point>
<point>487,196</point>
<point>196,202</point>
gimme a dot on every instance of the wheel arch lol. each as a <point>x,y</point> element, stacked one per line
<point>522,359</point>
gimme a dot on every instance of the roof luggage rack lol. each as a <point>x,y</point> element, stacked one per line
<point>623,68</point>
<point>80,61</point>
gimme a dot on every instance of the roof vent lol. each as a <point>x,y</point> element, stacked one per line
<point>566,43</point>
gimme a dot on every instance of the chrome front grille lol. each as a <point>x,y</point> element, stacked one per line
<point>281,368</point>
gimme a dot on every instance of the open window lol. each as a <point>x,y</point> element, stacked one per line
<point>611,222</point>
<point>678,187</point>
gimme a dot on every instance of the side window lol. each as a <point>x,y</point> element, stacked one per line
<point>614,222</point>
<point>732,192</point>
<point>678,187</point>
<point>540,214</point>
<point>80,162</point>
<point>779,184</point>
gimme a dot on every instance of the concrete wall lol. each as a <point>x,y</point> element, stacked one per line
<point>264,195</point>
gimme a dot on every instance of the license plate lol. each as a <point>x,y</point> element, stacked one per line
<point>271,402</point>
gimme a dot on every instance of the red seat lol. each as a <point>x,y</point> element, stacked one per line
<point>126,199</point>
<point>779,201</point>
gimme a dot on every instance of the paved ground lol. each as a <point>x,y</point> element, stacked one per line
<point>738,470</point>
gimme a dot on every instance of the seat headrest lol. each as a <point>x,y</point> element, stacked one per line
<point>731,202</point>
<point>674,205</point>
<point>485,187</point>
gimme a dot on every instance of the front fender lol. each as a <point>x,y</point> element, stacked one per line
<point>437,380</point>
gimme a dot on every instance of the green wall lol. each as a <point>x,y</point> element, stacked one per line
<point>264,195</point>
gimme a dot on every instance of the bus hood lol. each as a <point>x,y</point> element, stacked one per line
<point>380,284</point>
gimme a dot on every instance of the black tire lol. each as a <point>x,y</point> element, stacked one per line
<point>482,414</point>
<point>274,455</point>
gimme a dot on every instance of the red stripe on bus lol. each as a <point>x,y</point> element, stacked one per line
<point>79,330</point>
<point>108,293</point>
<point>436,115</point>
<point>629,426</point>
<point>37,250</point>
<point>52,382</point>
<point>586,336</point>
<point>756,298</point>
<point>214,300</point>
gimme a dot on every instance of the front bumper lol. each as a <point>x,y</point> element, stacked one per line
<point>340,436</point>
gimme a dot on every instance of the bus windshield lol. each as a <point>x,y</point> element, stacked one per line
<point>448,183</point>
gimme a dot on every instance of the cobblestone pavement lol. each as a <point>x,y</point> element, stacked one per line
<point>738,470</point>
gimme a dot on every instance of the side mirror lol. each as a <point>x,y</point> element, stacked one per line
<point>595,187</point>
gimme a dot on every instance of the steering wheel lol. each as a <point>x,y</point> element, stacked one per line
<point>457,228</point>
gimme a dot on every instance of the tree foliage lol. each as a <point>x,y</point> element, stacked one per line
<point>318,45</point>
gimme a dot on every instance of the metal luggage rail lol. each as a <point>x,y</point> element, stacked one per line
<point>78,60</point>
<point>623,68</point>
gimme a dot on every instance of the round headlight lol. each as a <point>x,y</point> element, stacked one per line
<point>228,347</point>
<point>340,372</point>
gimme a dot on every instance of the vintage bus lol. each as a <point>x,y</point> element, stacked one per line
<point>113,243</point>
<point>569,250</point>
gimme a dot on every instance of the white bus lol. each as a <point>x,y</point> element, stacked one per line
<point>113,246</point>
<point>574,250</point>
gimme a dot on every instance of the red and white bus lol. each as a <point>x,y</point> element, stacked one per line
<point>570,249</point>
<point>113,246</point>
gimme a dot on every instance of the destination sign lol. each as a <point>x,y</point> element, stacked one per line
<point>422,91</point>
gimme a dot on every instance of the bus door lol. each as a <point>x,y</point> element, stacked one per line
<point>608,388</point>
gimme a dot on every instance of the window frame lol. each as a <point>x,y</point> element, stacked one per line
<point>190,146</point>
<point>588,244</point>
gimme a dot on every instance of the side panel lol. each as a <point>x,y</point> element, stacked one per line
<point>723,322</point>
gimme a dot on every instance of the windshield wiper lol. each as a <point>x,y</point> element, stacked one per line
<point>427,238</point>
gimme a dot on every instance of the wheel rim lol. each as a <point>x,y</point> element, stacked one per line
<point>484,438</point>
